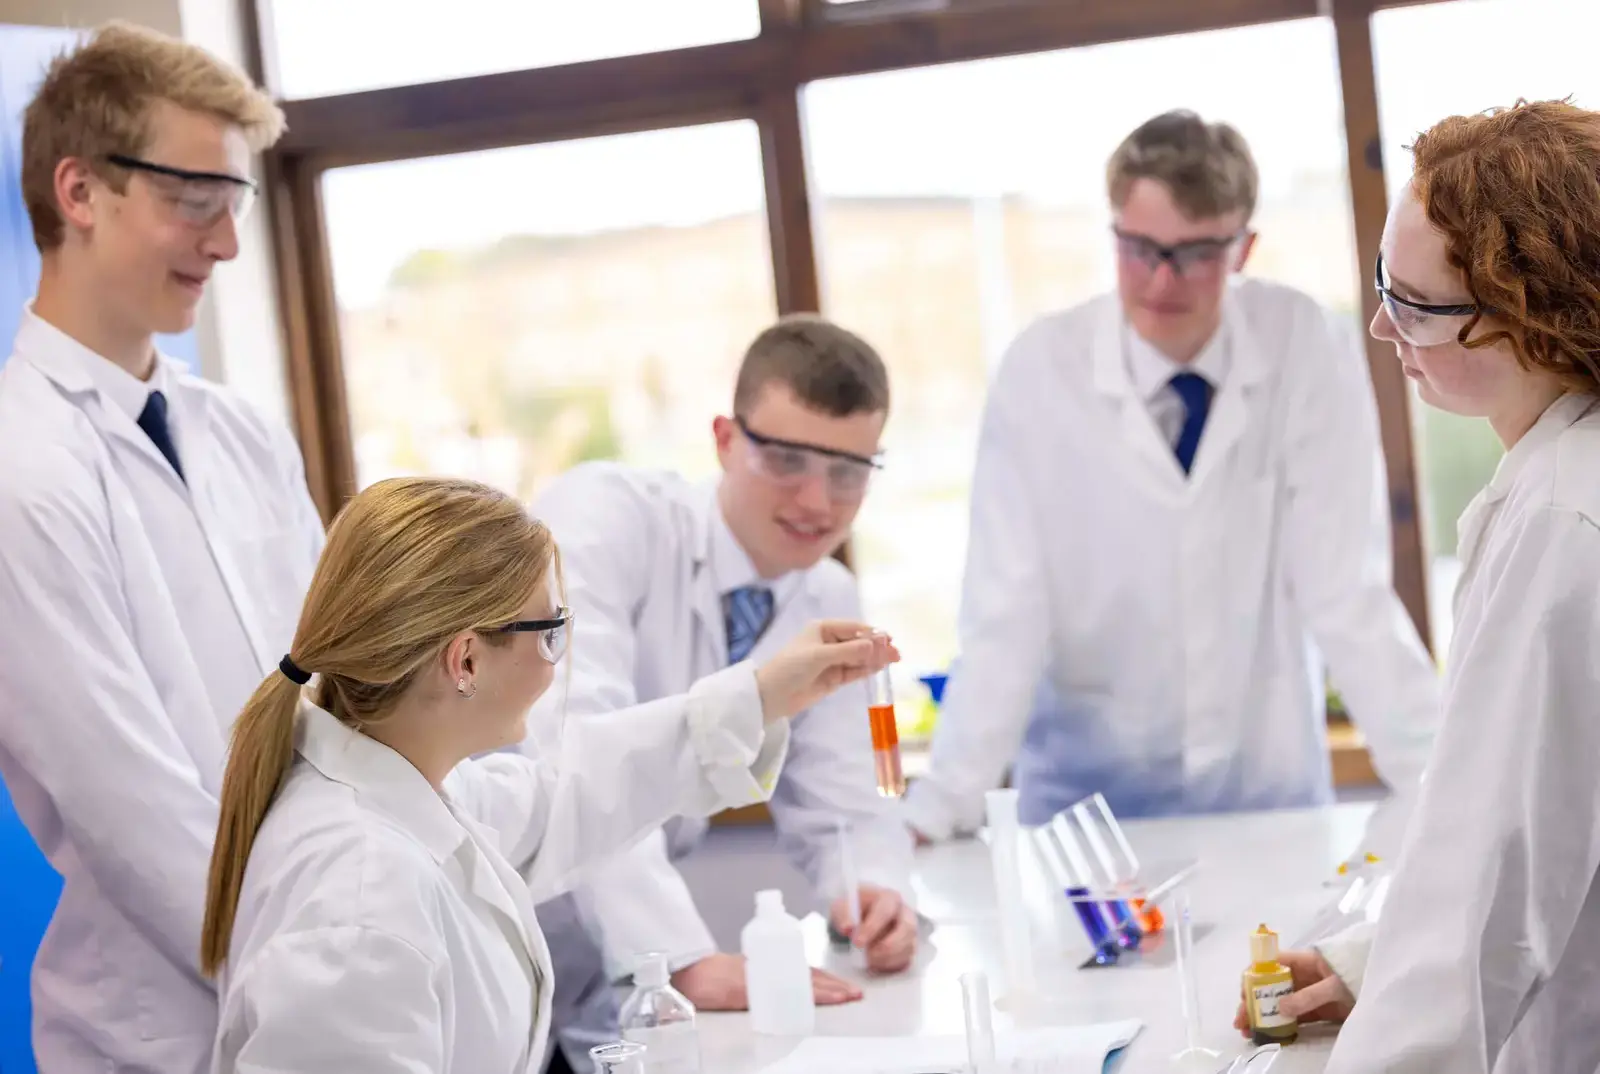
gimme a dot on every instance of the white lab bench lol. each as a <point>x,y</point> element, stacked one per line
<point>1254,868</point>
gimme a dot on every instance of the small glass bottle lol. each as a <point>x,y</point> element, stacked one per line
<point>661,1018</point>
<point>1266,982</point>
<point>885,736</point>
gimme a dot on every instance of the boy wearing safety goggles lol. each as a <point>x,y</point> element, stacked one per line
<point>156,539</point>
<point>671,581</point>
<point>1179,517</point>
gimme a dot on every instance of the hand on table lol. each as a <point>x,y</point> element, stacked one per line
<point>888,932</point>
<point>717,983</point>
<point>1319,995</point>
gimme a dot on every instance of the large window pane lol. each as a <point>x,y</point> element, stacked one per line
<point>325,48</point>
<point>507,314</point>
<point>960,202</point>
<point>1542,49</point>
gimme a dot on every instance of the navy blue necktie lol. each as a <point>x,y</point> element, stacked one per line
<point>1195,391</point>
<point>747,611</point>
<point>153,420</point>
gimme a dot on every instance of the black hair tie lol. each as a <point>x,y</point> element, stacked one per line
<point>292,671</point>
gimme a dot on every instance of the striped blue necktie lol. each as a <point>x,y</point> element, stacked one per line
<point>747,611</point>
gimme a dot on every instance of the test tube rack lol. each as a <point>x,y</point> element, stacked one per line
<point>1125,906</point>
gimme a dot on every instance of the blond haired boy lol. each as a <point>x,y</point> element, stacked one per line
<point>156,539</point>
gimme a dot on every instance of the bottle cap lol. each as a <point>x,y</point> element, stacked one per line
<point>652,972</point>
<point>769,901</point>
<point>1263,945</point>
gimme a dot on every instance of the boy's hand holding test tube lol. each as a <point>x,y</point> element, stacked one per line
<point>876,920</point>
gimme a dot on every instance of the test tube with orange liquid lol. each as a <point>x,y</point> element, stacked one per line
<point>885,736</point>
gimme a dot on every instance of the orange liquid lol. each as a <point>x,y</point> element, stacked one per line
<point>1150,918</point>
<point>884,733</point>
<point>886,751</point>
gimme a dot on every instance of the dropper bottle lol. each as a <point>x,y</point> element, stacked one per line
<point>1266,982</point>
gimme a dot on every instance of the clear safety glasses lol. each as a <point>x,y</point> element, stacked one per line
<point>554,634</point>
<point>1195,259</point>
<point>200,199</point>
<point>789,464</point>
<point>1422,324</point>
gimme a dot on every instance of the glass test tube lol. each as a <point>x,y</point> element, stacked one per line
<point>885,736</point>
<point>1129,928</point>
<point>618,1057</point>
<point>1127,935</point>
<point>1194,1053</point>
<point>1149,917</point>
<point>1053,851</point>
<point>852,890</point>
<point>1005,860</point>
<point>980,1023</point>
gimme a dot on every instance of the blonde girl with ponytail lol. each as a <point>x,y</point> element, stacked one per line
<point>370,900</point>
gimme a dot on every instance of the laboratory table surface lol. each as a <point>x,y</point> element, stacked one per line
<point>1274,868</point>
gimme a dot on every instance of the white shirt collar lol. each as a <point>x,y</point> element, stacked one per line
<point>1557,418</point>
<point>1151,370</point>
<point>116,385</point>
<point>730,564</point>
<point>387,781</point>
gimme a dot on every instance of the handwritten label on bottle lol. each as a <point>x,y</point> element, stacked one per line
<point>1266,1001</point>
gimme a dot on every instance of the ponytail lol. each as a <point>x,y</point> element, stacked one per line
<point>258,758</point>
<point>410,563</point>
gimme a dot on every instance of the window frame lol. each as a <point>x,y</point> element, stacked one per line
<point>763,79</point>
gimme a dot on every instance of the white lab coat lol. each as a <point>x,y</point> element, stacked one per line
<point>1487,953</point>
<point>140,614</point>
<point>1170,618</point>
<point>647,557</point>
<point>382,927</point>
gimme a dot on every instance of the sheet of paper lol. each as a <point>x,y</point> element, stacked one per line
<point>1059,1050</point>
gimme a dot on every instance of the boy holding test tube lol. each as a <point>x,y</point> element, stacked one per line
<point>673,582</point>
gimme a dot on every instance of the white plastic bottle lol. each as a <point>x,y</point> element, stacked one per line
<point>776,970</point>
<point>662,1019</point>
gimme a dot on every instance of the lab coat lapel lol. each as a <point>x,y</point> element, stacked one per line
<point>64,369</point>
<point>705,598</point>
<point>1154,456</point>
<point>1230,410</point>
<point>497,884</point>
<point>197,449</point>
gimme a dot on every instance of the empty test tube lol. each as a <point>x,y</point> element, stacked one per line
<point>885,736</point>
<point>980,1023</point>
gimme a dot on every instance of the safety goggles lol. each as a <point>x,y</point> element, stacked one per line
<point>1422,324</point>
<point>554,634</point>
<point>200,199</point>
<point>788,464</point>
<point>1195,259</point>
